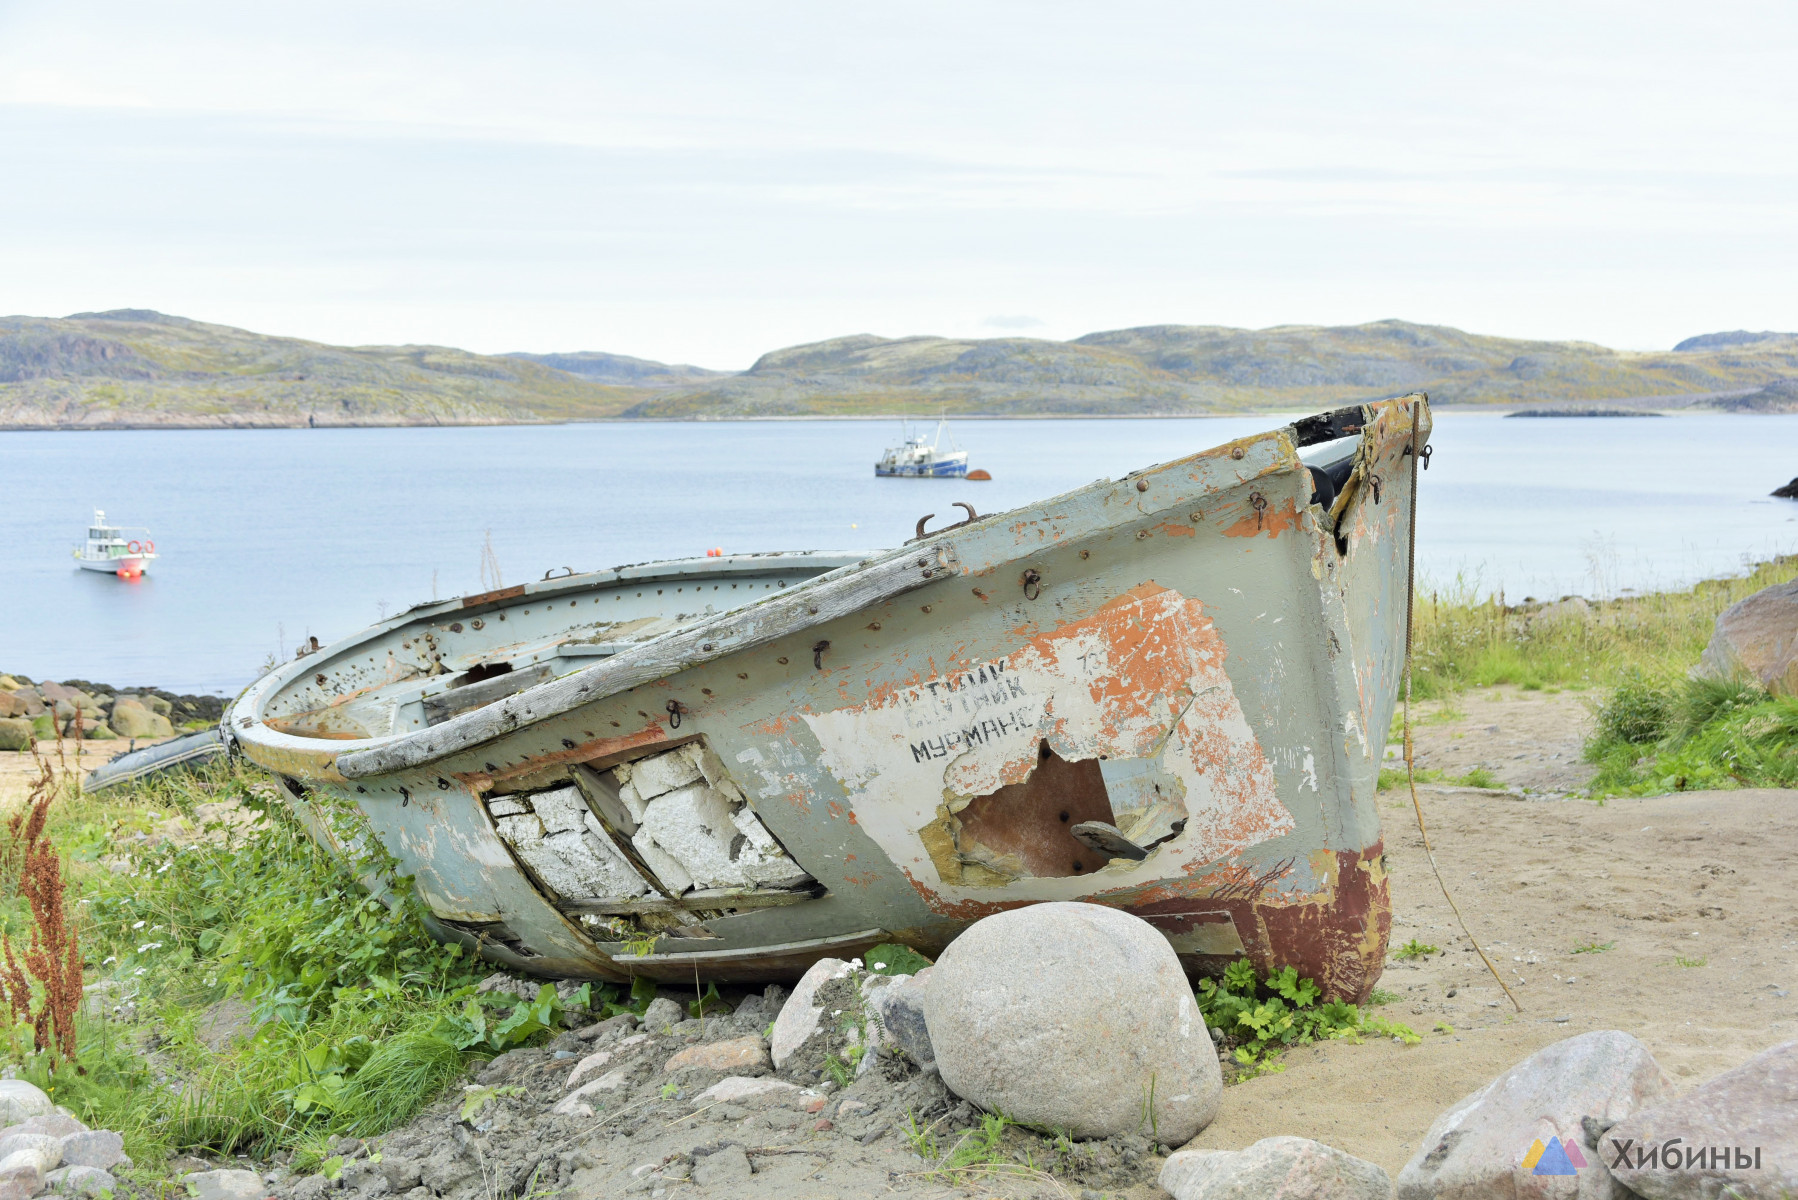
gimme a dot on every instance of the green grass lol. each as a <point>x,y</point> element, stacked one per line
<point>1460,642</point>
<point>1414,949</point>
<point>1594,948</point>
<point>1677,734</point>
<point>356,1020</point>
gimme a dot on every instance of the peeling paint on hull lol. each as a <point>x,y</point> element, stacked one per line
<point>1167,693</point>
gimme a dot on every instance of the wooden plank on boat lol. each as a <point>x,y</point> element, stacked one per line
<point>445,706</point>
<point>788,960</point>
<point>710,900</point>
<point>820,601</point>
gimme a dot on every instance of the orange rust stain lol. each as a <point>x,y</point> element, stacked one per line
<point>1172,530</point>
<point>848,858</point>
<point>835,808</point>
<point>865,879</point>
<point>1272,521</point>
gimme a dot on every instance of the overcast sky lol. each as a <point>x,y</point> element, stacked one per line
<point>703,182</point>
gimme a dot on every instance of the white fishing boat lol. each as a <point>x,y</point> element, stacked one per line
<point>925,459</point>
<point>108,549</point>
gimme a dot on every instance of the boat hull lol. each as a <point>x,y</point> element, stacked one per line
<point>940,470</point>
<point>1195,655</point>
<point>125,567</point>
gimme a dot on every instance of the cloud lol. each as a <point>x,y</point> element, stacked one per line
<point>1017,322</point>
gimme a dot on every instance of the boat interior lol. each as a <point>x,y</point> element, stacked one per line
<point>440,660</point>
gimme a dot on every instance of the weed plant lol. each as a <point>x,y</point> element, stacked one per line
<point>1672,735</point>
<point>348,1017</point>
<point>1260,1018</point>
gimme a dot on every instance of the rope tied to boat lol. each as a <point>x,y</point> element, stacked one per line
<point>1410,771</point>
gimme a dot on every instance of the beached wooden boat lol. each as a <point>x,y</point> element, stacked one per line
<point>1169,693</point>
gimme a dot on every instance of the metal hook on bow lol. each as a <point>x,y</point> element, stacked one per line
<point>969,520</point>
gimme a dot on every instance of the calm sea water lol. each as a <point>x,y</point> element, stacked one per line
<point>270,536</point>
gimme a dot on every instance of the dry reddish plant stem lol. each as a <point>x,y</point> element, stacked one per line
<point>53,957</point>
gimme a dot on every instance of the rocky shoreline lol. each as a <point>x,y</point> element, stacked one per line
<point>80,709</point>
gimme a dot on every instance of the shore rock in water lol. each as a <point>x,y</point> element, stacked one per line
<point>1077,1017</point>
<point>1753,1108</point>
<point>1758,638</point>
<point>1788,492</point>
<point>802,1016</point>
<point>20,1101</point>
<point>1275,1168</point>
<point>15,733</point>
<point>1572,1090</point>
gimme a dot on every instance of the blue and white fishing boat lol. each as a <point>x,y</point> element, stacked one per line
<point>918,457</point>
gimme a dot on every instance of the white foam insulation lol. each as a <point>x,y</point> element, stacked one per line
<point>694,827</point>
<point>560,840</point>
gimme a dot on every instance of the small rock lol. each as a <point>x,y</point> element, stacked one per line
<point>737,1089</point>
<point>738,1054</point>
<point>99,1148</point>
<point>56,1124</point>
<point>729,1165</point>
<point>22,1174</point>
<point>662,1014</point>
<point>574,1102</point>
<point>225,1185</point>
<point>623,1021</point>
<point>597,1062</point>
<point>1071,1016</point>
<point>896,1010</point>
<point>46,1144</point>
<point>20,1101</point>
<point>821,1127</point>
<point>81,1181</point>
<point>312,1187</point>
<point>1275,1168</point>
<point>1754,1107</point>
<point>401,1174</point>
<point>1476,1148</point>
<point>801,1016</point>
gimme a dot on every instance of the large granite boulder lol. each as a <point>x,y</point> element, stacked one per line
<point>1074,1017</point>
<point>15,733</point>
<point>1758,638</point>
<point>12,706</point>
<point>131,719</point>
<point>1568,1093</point>
<point>1275,1168</point>
<point>1736,1135</point>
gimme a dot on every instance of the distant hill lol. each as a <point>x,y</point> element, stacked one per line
<point>622,370</point>
<point>138,368</point>
<point>1195,368</point>
<point>133,367</point>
